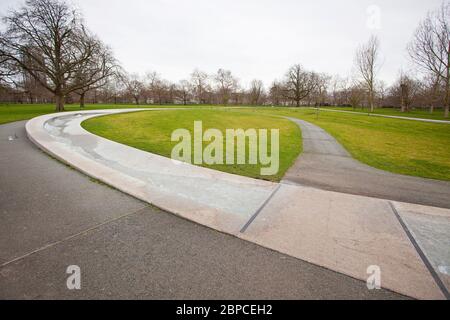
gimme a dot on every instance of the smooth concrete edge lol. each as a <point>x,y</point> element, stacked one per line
<point>33,135</point>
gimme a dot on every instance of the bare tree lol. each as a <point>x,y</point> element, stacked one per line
<point>30,87</point>
<point>96,71</point>
<point>299,84</point>
<point>405,91</point>
<point>407,88</point>
<point>430,48</point>
<point>237,94</point>
<point>115,88</point>
<point>199,81</point>
<point>8,69</point>
<point>367,66</point>
<point>256,92</point>
<point>382,92</point>
<point>134,87</point>
<point>321,89</point>
<point>162,91</point>
<point>151,81</point>
<point>340,88</point>
<point>159,89</point>
<point>47,37</point>
<point>432,90</point>
<point>356,95</point>
<point>184,89</point>
<point>276,93</point>
<point>226,84</point>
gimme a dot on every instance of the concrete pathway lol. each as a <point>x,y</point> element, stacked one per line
<point>342,232</point>
<point>385,116</point>
<point>325,164</point>
<point>52,216</point>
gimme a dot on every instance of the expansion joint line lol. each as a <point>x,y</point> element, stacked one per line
<point>422,255</point>
<point>81,233</point>
<point>253,217</point>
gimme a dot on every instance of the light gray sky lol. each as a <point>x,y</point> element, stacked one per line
<point>252,38</point>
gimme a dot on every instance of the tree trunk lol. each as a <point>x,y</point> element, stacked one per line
<point>447,102</point>
<point>447,95</point>
<point>59,98</point>
<point>82,95</point>
<point>371,100</point>
<point>447,85</point>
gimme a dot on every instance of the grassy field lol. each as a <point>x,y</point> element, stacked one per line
<point>437,114</point>
<point>151,131</point>
<point>401,146</point>
<point>16,112</point>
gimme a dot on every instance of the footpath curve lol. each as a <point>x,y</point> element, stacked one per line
<point>370,114</point>
<point>325,164</point>
<point>342,232</point>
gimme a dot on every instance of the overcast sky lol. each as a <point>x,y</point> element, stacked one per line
<point>252,38</point>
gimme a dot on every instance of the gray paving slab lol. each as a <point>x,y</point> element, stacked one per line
<point>431,231</point>
<point>155,255</point>
<point>345,233</point>
<point>43,201</point>
<point>325,164</point>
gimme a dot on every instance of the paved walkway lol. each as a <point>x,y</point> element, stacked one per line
<point>385,116</point>
<point>325,164</point>
<point>341,232</point>
<point>52,216</point>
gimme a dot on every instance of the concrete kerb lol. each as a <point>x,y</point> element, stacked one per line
<point>292,222</point>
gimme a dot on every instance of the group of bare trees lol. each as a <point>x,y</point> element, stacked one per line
<point>48,54</point>
<point>47,45</point>
<point>430,50</point>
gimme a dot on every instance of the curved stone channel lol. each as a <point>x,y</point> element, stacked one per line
<point>213,189</point>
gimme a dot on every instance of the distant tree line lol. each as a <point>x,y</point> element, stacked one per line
<point>47,55</point>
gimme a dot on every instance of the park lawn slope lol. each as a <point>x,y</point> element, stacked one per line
<point>17,112</point>
<point>401,146</point>
<point>151,131</point>
<point>438,114</point>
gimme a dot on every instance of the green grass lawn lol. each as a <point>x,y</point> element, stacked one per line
<point>151,131</point>
<point>401,146</point>
<point>437,114</point>
<point>16,112</point>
